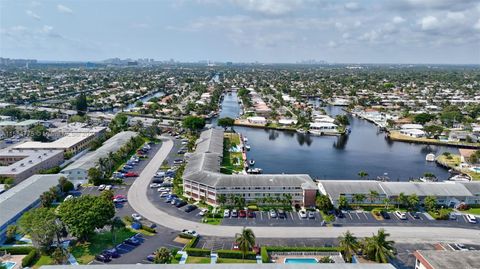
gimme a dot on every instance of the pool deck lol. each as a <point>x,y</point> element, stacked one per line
<point>14,258</point>
<point>281,258</point>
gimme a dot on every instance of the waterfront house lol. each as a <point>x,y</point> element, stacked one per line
<point>323,128</point>
<point>257,120</point>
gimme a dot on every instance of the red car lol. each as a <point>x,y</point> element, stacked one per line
<point>251,214</point>
<point>242,213</point>
<point>131,174</point>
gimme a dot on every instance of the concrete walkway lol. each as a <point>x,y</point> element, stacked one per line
<point>137,197</point>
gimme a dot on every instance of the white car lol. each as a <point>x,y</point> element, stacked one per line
<point>101,187</point>
<point>68,197</point>
<point>162,189</point>
<point>226,213</point>
<point>137,217</point>
<point>203,212</point>
<point>302,214</point>
<point>471,218</point>
<point>154,185</point>
<point>108,187</point>
<point>164,194</point>
<point>190,232</point>
<point>273,213</point>
<point>401,215</point>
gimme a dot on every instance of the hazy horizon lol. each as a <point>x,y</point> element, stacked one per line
<point>244,31</point>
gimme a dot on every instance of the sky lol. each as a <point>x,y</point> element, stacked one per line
<point>268,31</point>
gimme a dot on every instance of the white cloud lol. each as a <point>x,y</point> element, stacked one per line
<point>64,9</point>
<point>32,14</point>
<point>46,29</point>
<point>269,7</point>
<point>429,23</point>
<point>352,6</point>
<point>398,19</point>
<point>477,25</point>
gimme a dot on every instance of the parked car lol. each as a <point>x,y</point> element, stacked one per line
<point>102,258</point>
<point>163,189</point>
<point>180,203</point>
<point>101,187</point>
<point>311,214</point>
<point>302,214</point>
<point>131,174</point>
<point>273,213</point>
<point>151,257</point>
<point>226,213</point>
<point>203,212</point>
<point>136,216</point>
<point>159,175</point>
<point>401,215</point>
<point>242,213</point>
<point>282,214</point>
<point>339,214</point>
<point>157,180</point>
<point>108,187</point>
<point>452,216</point>
<point>178,161</point>
<point>190,232</point>
<point>471,218</point>
<point>112,252</point>
<point>132,241</point>
<point>190,208</point>
<point>384,214</point>
<point>461,247</point>
<point>234,213</point>
<point>68,197</point>
<point>163,194</point>
<point>154,185</point>
<point>119,199</point>
<point>250,213</point>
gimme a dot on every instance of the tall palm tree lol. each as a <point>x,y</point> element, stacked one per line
<point>372,196</point>
<point>222,199</point>
<point>245,241</point>
<point>349,245</point>
<point>359,197</point>
<point>379,248</point>
<point>401,199</point>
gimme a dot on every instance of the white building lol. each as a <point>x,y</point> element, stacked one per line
<point>257,120</point>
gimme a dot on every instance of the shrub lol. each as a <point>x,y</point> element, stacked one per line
<point>193,242</point>
<point>264,253</point>
<point>30,258</point>
<point>128,219</point>
<point>185,236</point>
<point>253,207</point>
<point>235,254</point>
<point>11,232</point>
<point>17,250</point>
<point>294,249</point>
<point>148,229</point>
<point>198,252</point>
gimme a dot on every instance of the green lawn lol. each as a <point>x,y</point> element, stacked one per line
<point>214,221</point>
<point>191,259</point>
<point>85,252</point>
<point>475,211</point>
<point>225,260</point>
<point>176,259</point>
<point>44,260</point>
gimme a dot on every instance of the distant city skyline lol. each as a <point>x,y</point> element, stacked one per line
<point>265,31</point>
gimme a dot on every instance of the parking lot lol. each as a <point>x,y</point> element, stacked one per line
<point>263,218</point>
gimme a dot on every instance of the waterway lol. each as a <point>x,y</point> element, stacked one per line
<point>365,149</point>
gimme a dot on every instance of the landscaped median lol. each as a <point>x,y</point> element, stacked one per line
<point>267,251</point>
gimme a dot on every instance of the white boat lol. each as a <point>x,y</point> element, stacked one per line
<point>462,178</point>
<point>430,157</point>
<point>251,162</point>
<point>254,171</point>
<point>245,139</point>
<point>247,147</point>
<point>323,128</point>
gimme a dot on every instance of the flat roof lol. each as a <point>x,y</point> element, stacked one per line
<point>24,194</point>
<point>65,142</point>
<point>30,159</point>
<point>440,259</point>
<point>230,266</point>
<point>90,159</point>
<point>336,188</point>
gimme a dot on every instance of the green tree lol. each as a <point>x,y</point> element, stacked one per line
<point>222,199</point>
<point>423,118</point>
<point>349,245</point>
<point>162,256</point>
<point>95,176</point>
<point>413,201</point>
<point>226,122</point>
<point>342,120</point>
<point>193,123</point>
<point>359,197</point>
<point>373,196</point>
<point>116,224</point>
<point>378,248</point>
<point>402,200</point>
<point>430,203</point>
<point>362,174</point>
<point>81,104</point>
<point>59,255</point>
<point>85,214</point>
<point>40,225</point>
<point>451,114</point>
<point>65,185</point>
<point>10,234</point>
<point>39,133</point>
<point>245,241</point>
<point>323,203</point>
<point>9,131</point>
<point>343,202</point>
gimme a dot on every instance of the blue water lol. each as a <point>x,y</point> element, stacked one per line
<point>9,265</point>
<point>301,260</point>
<point>330,157</point>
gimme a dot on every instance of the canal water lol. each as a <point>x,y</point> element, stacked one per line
<point>365,149</point>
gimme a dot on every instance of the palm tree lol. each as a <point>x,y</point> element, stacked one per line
<point>401,199</point>
<point>162,255</point>
<point>349,245</point>
<point>222,199</point>
<point>245,241</point>
<point>115,224</point>
<point>386,202</point>
<point>359,197</point>
<point>372,196</point>
<point>413,201</point>
<point>362,174</point>
<point>378,248</point>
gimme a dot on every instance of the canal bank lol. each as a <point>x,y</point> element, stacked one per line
<point>343,157</point>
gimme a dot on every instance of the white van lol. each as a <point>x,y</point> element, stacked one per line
<point>471,218</point>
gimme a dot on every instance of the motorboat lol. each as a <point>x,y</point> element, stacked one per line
<point>247,147</point>
<point>245,139</point>
<point>460,177</point>
<point>430,157</point>
<point>254,171</point>
<point>251,162</point>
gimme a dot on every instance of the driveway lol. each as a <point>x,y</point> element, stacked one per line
<point>139,201</point>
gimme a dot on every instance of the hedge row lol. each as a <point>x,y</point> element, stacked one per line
<point>30,259</point>
<point>198,252</point>
<point>235,254</point>
<point>193,242</point>
<point>17,250</point>
<point>295,249</point>
<point>185,236</point>
<point>148,229</point>
<point>264,253</point>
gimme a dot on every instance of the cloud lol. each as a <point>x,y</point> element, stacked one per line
<point>64,9</point>
<point>46,29</point>
<point>269,7</point>
<point>477,25</point>
<point>429,23</point>
<point>398,19</point>
<point>352,6</point>
<point>32,14</point>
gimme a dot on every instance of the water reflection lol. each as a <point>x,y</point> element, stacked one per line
<point>341,142</point>
<point>304,139</point>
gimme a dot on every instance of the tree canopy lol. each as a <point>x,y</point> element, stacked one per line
<point>193,123</point>
<point>40,224</point>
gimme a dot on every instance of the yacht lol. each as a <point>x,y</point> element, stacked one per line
<point>247,147</point>
<point>460,177</point>
<point>430,157</point>
<point>254,171</point>
<point>245,139</point>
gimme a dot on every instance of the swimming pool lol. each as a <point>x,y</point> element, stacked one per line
<point>301,260</point>
<point>9,265</point>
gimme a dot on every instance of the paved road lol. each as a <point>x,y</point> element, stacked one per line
<point>137,197</point>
